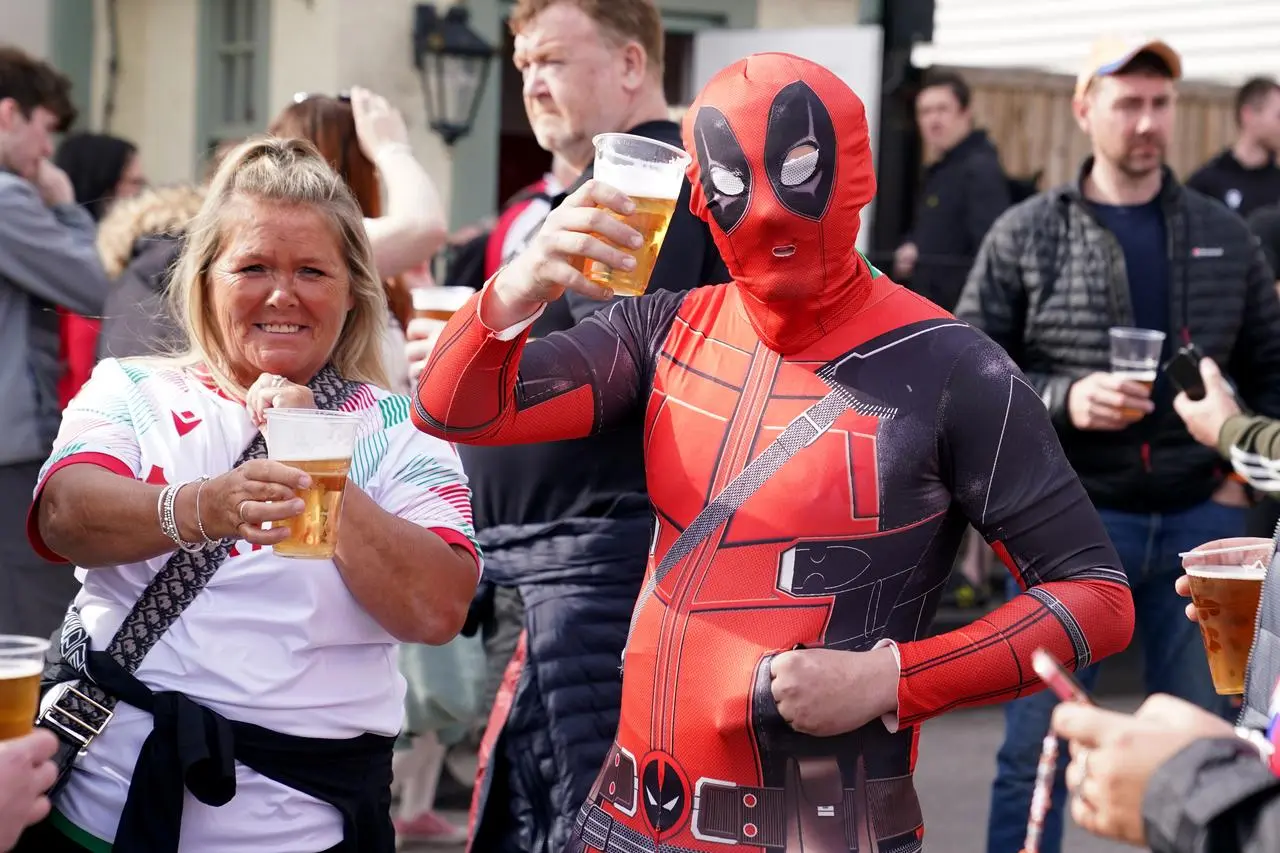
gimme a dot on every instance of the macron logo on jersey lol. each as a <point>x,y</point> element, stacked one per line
<point>185,422</point>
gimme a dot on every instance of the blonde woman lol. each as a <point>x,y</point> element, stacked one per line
<point>216,648</point>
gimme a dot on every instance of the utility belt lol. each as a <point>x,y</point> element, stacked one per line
<point>814,811</point>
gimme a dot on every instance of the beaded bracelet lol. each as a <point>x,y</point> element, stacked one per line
<point>169,519</point>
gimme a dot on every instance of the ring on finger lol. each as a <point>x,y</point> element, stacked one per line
<point>240,511</point>
<point>277,381</point>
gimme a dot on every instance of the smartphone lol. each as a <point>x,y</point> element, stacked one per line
<point>1183,371</point>
<point>1061,682</point>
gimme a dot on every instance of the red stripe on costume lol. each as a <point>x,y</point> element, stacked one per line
<point>102,460</point>
<point>990,660</point>
<point>1005,557</point>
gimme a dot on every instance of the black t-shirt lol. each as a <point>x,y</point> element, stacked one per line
<point>602,476</point>
<point>1243,190</point>
<point>1265,224</point>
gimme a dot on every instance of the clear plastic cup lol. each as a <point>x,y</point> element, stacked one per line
<point>652,173</point>
<point>1226,587</point>
<point>439,303</point>
<point>21,662</point>
<point>1135,353</point>
<point>1135,356</point>
<point>320,443</point>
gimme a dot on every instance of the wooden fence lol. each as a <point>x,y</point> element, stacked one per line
<point>1028,115</point>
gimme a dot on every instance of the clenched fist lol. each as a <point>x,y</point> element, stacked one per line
<point>828,692</point>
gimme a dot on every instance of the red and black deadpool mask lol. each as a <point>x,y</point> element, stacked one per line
<point>781,171</point>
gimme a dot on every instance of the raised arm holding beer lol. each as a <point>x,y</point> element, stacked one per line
<point>193,634</point>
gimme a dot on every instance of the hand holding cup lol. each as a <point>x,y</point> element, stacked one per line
<point>582,227</point>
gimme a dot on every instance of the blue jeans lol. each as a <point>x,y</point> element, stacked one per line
<point>1173,660</point>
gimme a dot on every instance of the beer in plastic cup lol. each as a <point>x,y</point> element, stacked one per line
<point>1226,586</point>
<point>652,174</point>
<point>21,662</point>
<point>1135,356</point>
<point>439,303</point>
<point>321,444</point>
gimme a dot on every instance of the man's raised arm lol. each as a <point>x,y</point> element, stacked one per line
<point>483,385</point>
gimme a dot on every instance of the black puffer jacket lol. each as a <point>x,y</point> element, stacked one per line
<point>579,579</point>
<point>1048,283</point>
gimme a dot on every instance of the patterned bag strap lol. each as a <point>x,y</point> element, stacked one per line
<point>83,709</point>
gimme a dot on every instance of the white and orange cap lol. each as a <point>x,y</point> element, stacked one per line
<point>1110,54</point>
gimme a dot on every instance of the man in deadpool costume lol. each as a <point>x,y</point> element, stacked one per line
<point>817,438</point>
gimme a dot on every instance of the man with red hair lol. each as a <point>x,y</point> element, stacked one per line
<point>817,438</point>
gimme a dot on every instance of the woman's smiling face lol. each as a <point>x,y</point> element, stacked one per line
<point>280,290</point>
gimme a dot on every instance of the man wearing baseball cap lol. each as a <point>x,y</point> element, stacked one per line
<point>1126,245</point>
<point>1112,54</point>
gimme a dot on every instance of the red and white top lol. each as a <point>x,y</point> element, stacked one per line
<point>277,642</point>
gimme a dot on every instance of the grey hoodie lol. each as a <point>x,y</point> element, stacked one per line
<point>47,259</point>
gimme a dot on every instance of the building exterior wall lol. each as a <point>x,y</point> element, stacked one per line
<point>1224,40</point>
<point>154,102</point>
<point>26,25</point>
<point>321,46</point>
<point>328,46</point>
<point>779,14</point>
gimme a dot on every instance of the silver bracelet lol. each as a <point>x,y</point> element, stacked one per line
<point>202,479</point>
<point>169,520</point>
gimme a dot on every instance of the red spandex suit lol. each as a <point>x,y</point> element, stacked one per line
<point>817,438</point>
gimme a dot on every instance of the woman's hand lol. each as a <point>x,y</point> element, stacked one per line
<point>583,226</point>
<point>378,124</point>
<point>270,391</point>
<point>237,504</point>
<point>1114,756</point>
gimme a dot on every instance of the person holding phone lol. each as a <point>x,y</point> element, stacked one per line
<point>1170,776</point>
<point>1251,442</point>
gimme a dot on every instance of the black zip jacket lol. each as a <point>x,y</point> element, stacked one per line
<point>1048,283</point>
<point>963,194</point>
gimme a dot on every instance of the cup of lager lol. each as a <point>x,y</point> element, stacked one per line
<point>1226,585</point>
<point>321,444</point>
<point>21,662</point>
<point>439,303</point>
<point>652,174</point>
<point>1135,356</point>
